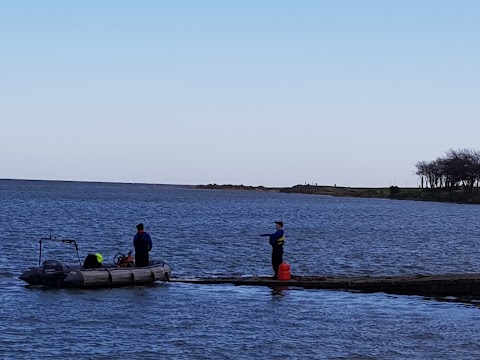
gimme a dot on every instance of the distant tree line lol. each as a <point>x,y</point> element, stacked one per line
<point>457,168</point>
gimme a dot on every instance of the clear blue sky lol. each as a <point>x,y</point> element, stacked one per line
<point>271,93</point>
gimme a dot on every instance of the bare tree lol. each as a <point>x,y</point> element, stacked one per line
<point>457,168</point>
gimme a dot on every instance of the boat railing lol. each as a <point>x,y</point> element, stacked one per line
<point>65,241</point>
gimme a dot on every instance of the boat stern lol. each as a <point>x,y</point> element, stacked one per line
<point>32,276</point>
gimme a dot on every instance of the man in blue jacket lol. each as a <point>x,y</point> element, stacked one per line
<point>276,240</point>
<point>143,244</point>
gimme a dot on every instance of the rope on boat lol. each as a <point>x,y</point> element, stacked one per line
<point>110,278</point>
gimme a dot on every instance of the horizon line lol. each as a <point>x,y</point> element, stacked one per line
<point>194,185</point>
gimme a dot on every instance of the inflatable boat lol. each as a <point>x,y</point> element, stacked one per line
<point>93,273</point>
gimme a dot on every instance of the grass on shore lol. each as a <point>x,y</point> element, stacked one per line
<point>441,195</point>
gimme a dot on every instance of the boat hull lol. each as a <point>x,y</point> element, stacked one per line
<point>115,277</point>
<point>55,274</point>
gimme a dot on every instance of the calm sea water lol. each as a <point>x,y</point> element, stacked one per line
<point>211,233</point>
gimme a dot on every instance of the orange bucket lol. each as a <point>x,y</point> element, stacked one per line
<point>284,272</point>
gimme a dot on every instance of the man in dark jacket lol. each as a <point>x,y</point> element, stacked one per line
<point>277,239</point>
<point>143,244</point>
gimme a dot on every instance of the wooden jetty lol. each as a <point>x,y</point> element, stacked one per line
<point>428,285</point>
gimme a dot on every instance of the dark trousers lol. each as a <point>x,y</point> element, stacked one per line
<point>277,258</point>
<point>141,259</point>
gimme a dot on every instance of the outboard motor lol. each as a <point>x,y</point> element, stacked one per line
<point>53,272</point>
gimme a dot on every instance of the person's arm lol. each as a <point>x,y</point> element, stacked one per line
<point>150,244</point>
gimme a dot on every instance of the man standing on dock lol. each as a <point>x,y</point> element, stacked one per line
<point>143,244</point>
<point>277,239</point>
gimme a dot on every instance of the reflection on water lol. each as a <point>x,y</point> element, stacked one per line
<point>470,301</point>
<point>279,292</point>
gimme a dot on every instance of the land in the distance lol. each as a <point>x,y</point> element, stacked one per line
<point>457,195</point>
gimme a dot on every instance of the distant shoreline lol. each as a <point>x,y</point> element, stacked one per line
<point>96,182</point>
<point>450,195</point>
<point>393,192</point>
